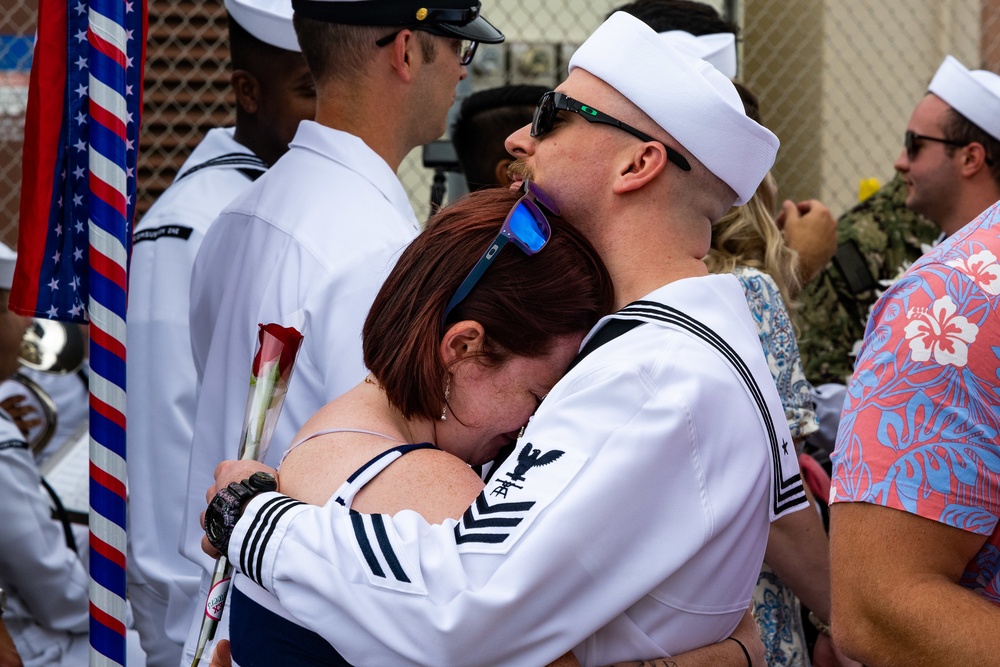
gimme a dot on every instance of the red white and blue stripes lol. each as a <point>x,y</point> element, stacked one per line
<point>74,244</point>
<point>112,163</point>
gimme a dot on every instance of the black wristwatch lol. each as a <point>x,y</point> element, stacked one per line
<point>227,506</point>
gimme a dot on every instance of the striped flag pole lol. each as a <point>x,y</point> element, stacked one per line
<point>113,135</point>
<point>74,240</point>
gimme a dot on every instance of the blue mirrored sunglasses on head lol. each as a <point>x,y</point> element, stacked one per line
<point>525,226</point>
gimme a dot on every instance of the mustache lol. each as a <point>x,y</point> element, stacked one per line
<point>518,170</point>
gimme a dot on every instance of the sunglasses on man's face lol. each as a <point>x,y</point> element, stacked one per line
<point>525,226</point>
<point>552,103</point>
<point>911,141</point>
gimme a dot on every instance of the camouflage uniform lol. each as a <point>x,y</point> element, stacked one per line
<point>831,317</point>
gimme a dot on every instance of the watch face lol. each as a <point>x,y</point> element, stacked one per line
<point>220,518</point>
<point>262,481</point>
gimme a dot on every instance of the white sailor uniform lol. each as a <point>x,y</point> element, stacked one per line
<point>48,612</point>
<point>163,584</point>
<point>308,245</point>
<point>630,523</point>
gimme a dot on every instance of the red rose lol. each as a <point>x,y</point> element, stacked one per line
<point>276,343</point>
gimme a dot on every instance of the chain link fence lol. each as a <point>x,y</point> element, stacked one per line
<point>837,80</point>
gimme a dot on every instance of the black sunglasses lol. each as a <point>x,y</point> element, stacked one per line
<point>552,103</point>
<point>911,141</point>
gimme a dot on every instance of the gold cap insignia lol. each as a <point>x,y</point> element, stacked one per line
<point>421,13</point>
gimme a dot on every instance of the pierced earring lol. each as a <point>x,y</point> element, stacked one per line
<point>521,432</point>
<point>447,391</point>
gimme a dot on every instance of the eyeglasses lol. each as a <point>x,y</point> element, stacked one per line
<point>911,139</point>
<point>552,103</point>
<point>525,226</point>
<point>466,50</point>
<point>911,143</point>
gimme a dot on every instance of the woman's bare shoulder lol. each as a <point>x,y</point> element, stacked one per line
<point>431,482</point>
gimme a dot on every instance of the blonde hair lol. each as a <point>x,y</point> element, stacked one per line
<point>749,236</point>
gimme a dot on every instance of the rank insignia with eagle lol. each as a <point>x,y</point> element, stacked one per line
<point>529,458</point>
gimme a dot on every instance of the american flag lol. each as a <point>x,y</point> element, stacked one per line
<point>74,242</point>
<point>51,280</point>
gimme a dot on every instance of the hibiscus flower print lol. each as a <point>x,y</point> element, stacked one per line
<point>937,331</point>
<point>982,268</point>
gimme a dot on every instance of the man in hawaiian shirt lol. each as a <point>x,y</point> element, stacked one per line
<point>914,528</point>
<point>931,198</point>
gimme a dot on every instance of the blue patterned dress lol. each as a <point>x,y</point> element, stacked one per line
<point>775,605</point>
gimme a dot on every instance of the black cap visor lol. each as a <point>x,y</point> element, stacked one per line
<point>479,30</point>
<point>459,19</point>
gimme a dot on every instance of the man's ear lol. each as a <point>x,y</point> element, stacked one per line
<point>405,54</point>
<point>462,340</point>
<point>646,163</point>
<point>973,158</point>
<point>247,90</point>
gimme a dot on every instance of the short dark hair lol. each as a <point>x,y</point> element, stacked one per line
<point>523,303</point>
<point>485,119</point>
<point>694,17</point>
<point>957,127</point>
<point>336,51</point>
<point>333,50</point>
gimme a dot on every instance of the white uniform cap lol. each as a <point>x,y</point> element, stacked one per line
<point>7,260</point>
<point>718,49</point>
<point>270,21</point>
<point>974,94</point>
<point>690,99</point>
